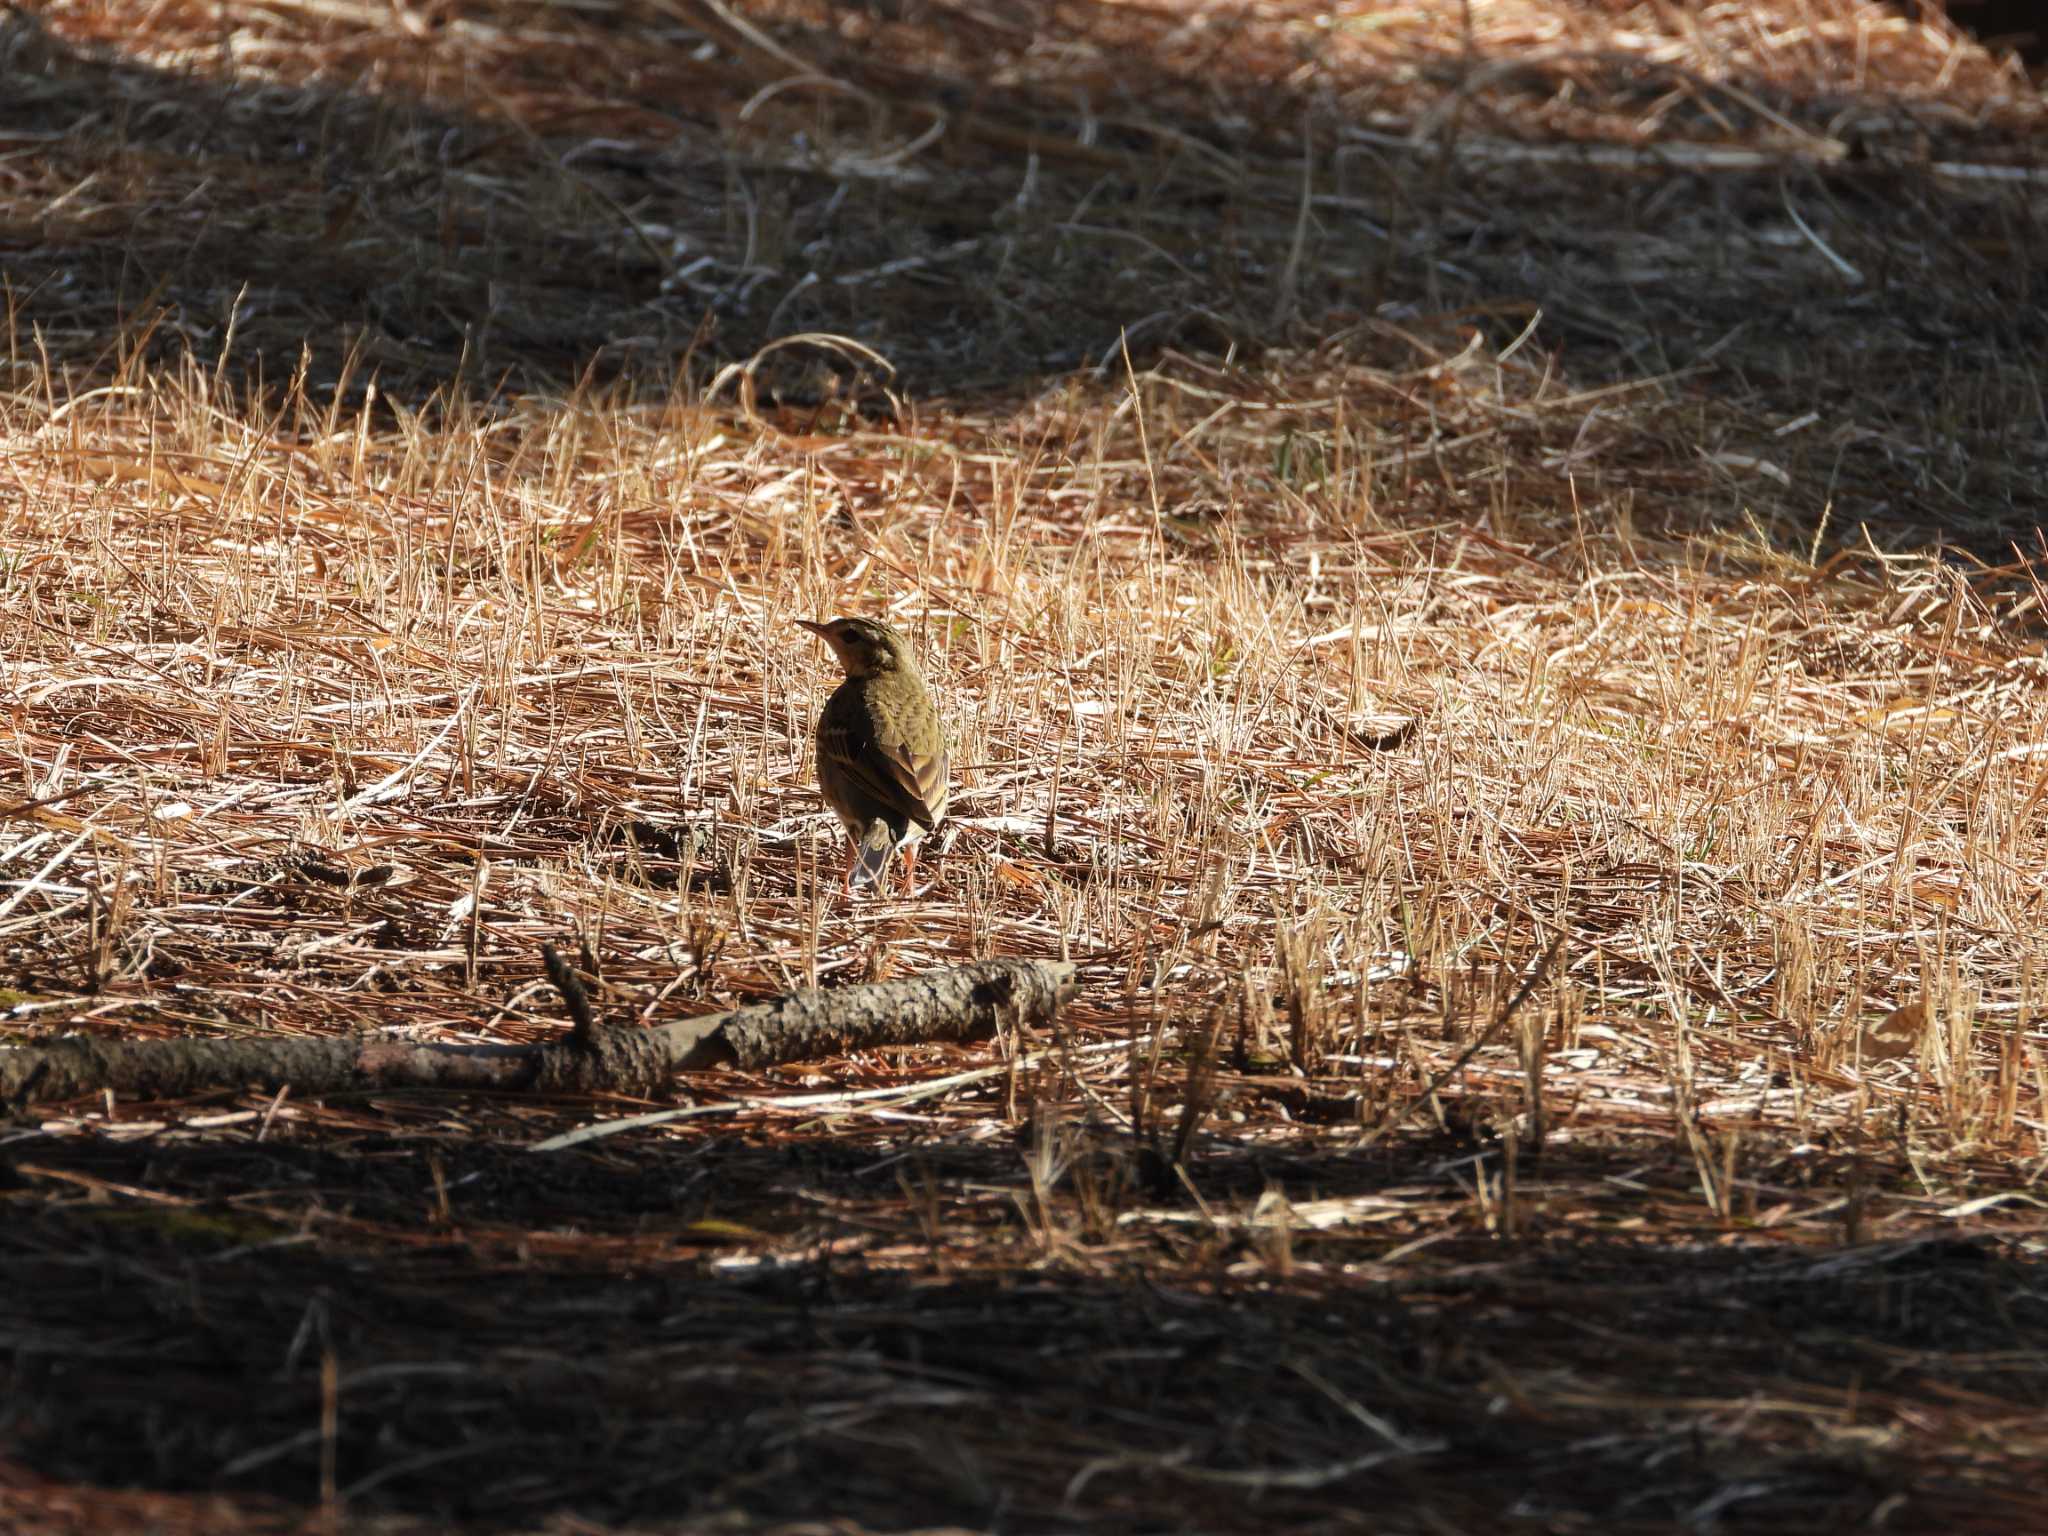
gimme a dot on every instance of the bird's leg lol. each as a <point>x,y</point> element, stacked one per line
<point>852,863</point>
<point>909,868</point>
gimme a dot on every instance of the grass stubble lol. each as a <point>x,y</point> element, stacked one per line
<point>1614,1101</point>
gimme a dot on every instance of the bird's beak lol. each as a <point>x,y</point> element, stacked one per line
<point>816,629</point>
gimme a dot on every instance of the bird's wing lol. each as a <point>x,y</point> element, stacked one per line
<point>921,777</point>
<point>894,778</point>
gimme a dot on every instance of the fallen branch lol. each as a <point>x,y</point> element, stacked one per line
<point>965,1003</point>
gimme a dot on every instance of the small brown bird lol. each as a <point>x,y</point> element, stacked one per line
<point>881,749</point>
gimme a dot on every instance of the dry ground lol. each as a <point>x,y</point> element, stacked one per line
<point>403,513</point>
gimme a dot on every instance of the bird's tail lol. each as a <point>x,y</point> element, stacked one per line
<point>871,859</point>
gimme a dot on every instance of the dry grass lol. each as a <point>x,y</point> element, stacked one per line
<point>402,523</point>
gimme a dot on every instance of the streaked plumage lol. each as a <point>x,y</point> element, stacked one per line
<point>881,749</point>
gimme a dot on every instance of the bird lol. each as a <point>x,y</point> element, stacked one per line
<point>881,748</point>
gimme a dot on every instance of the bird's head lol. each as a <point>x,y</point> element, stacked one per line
<point>864,647</point>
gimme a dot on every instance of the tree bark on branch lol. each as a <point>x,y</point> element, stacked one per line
<point>966,1003</point>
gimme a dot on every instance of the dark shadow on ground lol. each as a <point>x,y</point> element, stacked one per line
<point>606,1335</point>
<point>2014,24</point>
